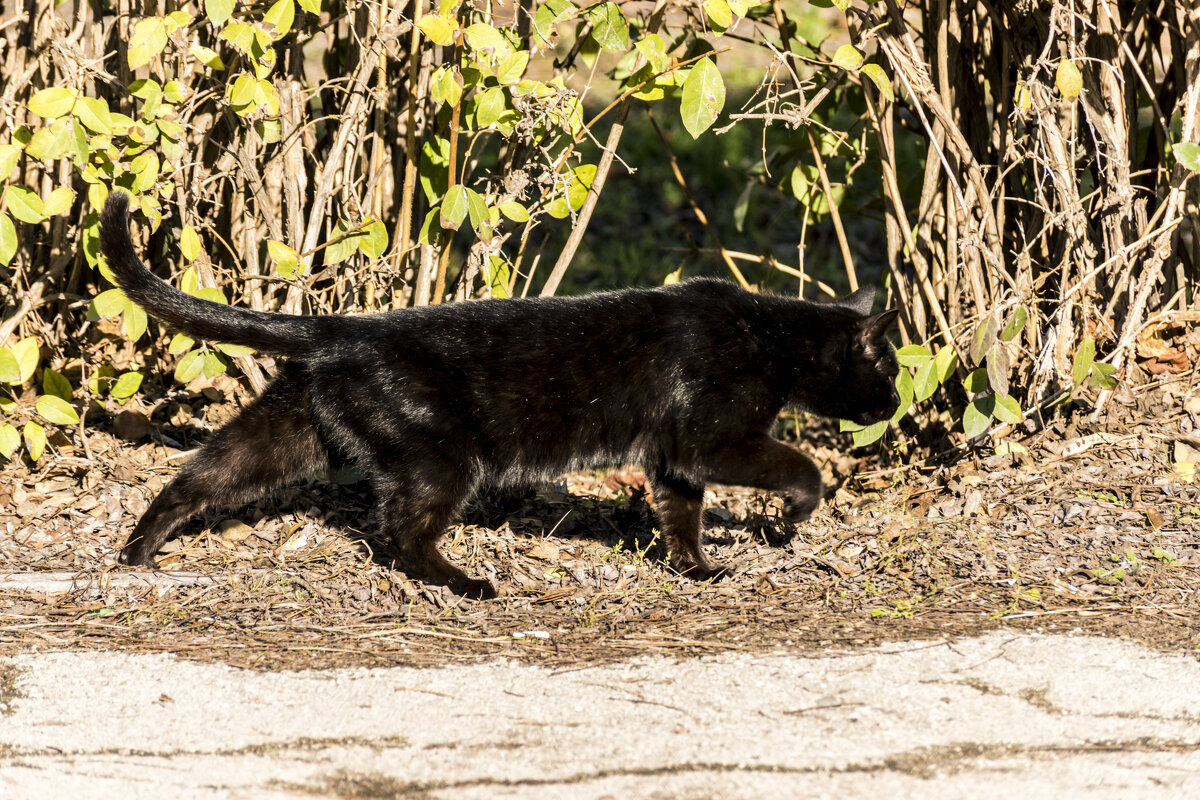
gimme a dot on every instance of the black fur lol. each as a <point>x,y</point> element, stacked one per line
<point>436,402</point>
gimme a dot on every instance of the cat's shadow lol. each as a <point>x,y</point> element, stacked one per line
<point>628,524</point>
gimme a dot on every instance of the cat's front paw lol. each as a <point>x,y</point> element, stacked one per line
<point>798,509</point>
<point>135,557</point>
<point>473,589</point>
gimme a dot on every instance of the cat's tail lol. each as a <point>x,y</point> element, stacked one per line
<point>276,334</point>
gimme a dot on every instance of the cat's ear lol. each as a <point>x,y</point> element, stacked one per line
<point>860,301</point>
<point>872,329</point>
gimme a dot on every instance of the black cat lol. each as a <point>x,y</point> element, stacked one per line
<point>435,402</point>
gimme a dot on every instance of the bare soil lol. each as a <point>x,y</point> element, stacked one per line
<point>1095,530</point>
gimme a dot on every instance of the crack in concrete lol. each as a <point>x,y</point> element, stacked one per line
<point>304,743</point>
<point>927,762</point>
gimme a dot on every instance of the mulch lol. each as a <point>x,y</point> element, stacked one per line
<point>1096,529</point>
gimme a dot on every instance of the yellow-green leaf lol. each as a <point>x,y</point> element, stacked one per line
<point>27,354</point>
<point>218,11</point>
<point>53,102</point>
<point>93,112</point>
<point>180,343</point>
<point>10,440</point>
<point>242,92</point>
<point>35,439</point>
<point>374,242</point>
<point>148,39</point>
<point>145,171</point>
<point>287,260</point>
<point>8,158</point>
<point>311,6</point>
<point>281,16</point>
<point>59,201</point>
<point>847,57</point>
<point>56,410</point>
<point>189,243</point>
<point>213,364</point>
<point>109,303</point>
<point>135,320</point>
<point>10,370</point>
<point>55,383</point>
<point>438,28</point>
<point>514,211</point>
<point>881,80</point>
<point>8,239</point>
<point>703,97</point>
<point>23,203</point>
<point>1068,79</point>
<point>189,283</point>
<point>234,350</point>
<point>207,57</point>
<point>126,385</point>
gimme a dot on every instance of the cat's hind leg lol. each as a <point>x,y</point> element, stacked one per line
<point>680,503</point>
<point>272,442</point>
<point>417,501</point>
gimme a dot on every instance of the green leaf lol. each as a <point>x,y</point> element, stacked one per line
<point>576,192</point>
<point>213,364</point>
<point>218,10</point>
<point>281,15</point>
<point>906,390</point>
<point>10,370</point>
<point>976,381</point>
<point>212,294</point>
<point>511,69</point>
<point>1008,409</point>
<point>24,203</point>
<point>189,283</point>
<point>977,416</point>
<point>720,15</point>
<point>1082,365</point>
<point>703,97</point>
<point>58,202</point>
<point>56,410</point>
<point>109,303</point>
<point>477,208</point>
<point>35,439</point>
<point>869,434</point>
<point>497,277</point>
<point>514,211</point>
<point>847,57</point>
<point>445,86</point>
<point>189,243</point>
<point>374,241</point>
<point>343,248</point>
<point>135,321</point>
<point>454,207</point>
<point>52,103</point>
<point>311,6</point>
<point>609,26</point>
<point>10,440</point>
<point>913,355</point>
<point>1186,153</point>
<point>1020,315</point>
<point>1068,79</point>
<point>1101,376</point>
<point>126,386</point>
<point>925,382</point>
<point>945,362</point>
<point>56,384</point>
<point>189,366</point>
<point>8,239</point>
<point>491,107</point>
<point>881,80</point>
<point>287,260</point>
<point>1009,448</point>
<point>8,158</point>
<point>27,354</point>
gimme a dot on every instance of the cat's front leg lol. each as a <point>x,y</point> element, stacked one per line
<point>764,463</point>
<point>680,503</point>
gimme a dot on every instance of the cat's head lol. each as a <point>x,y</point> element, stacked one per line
<point>862,364</point>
